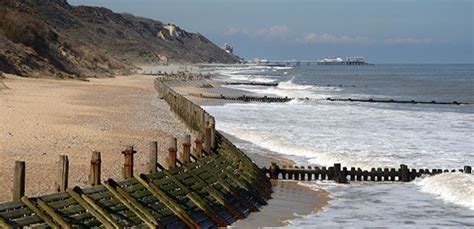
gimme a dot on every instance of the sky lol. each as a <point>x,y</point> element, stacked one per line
<point>383,31</point>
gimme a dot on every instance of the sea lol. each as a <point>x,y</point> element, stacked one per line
<point>313,131</point>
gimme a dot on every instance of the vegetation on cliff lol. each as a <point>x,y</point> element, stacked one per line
<point>51,37</point>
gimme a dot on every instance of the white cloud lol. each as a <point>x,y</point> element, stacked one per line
<point>231,30</point>
<point>275,31</point>
<point>326,38</point>
<point>407,41</point>
<point>278,31</point>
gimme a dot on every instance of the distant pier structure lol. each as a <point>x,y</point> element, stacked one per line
<point>356,60</point>
<point>352,61</point>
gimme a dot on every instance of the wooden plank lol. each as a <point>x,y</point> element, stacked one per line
<point>55,197</point>
<point>173,206</point>
<point>216,195</point>
<point>240,183</point>
<point>150,221</point>
<point>221,222</point>
<point>4,224</point>
<point>224,202</point>
<point>91,209</point>
<point>38,212</point>
<point>27,221</point>
<point>62,203</point>
<point>16,212</point>
<point>52,214</point>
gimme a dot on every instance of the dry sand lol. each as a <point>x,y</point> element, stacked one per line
<point>42,119</point>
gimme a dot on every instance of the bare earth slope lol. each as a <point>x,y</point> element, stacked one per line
<point>51,37</point>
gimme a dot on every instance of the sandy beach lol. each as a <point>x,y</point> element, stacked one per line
<point>42,119</point>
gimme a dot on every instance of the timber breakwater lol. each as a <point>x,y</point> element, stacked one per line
<point>344,175</point>
<point>209,185</point>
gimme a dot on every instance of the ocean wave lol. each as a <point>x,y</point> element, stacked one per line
<point>251,78</point>
<point>457,188</point>
<point>289,85</point>
<point>279,145</point>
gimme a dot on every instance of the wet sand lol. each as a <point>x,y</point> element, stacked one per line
<point>289,201</point>
<point>42,119</point>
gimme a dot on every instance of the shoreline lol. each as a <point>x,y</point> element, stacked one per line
<point>47,118</point>
<point>290,199</point>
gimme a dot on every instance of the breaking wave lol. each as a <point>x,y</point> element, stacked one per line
<point>457,188</point>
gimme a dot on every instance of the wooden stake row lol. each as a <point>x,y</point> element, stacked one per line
<point>343,175</point>
<point>62,177</point>
<point>194,116</point>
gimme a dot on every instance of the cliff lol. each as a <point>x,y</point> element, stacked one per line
<point>51,37</point>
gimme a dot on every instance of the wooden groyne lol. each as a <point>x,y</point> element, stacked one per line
<point>178,76</point>
<point>394,101</point>
<point>344,175</point>
<point>210,185</point>
<point>252,84</point>
<point>246,98</point>
<point>276,99</point>
<point>203,189</point>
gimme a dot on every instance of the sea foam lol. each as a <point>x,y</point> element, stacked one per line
<point>456,188</point>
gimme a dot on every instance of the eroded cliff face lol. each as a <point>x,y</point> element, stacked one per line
<point>53,38</point>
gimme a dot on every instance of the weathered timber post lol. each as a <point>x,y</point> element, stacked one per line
<point>63,173</point>
<point>94,176</point>
<point>296,173</point>
<point>198,149</point>
<point>212,125</point>
<point>310,173</point>
<point>467,169</point>
<point>128,162</point>
<point>359,174</point>
<point>274,171</point>
<point>372,174</point>
<point>338,175</point>
<point>353,173</point>
<point>324,173</point>
<point>185,156</point>
<point>337,172</point>
<point>393,173</point>
<point>404,173</point>
<point>344,175</point>
<point>207,141</point>
<point>19,180</point>
<point>172,153</point>
<point>386,174</point>
<point>379,174</point>
<point>153,157</point>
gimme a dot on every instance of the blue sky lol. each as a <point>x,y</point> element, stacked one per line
<point>384,31</point>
